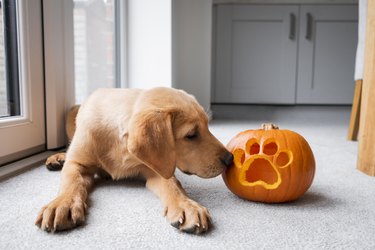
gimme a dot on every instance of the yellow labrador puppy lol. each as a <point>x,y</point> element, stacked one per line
<point>127,132</point>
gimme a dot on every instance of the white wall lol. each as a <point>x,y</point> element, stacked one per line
<point>191,47</point>
<point>149,43</point>
<point>360,57</point>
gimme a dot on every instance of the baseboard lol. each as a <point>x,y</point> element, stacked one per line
<point>18,167</point>
<point>269,113</point>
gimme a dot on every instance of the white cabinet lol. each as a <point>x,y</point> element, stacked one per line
<point>327,46</point>
<point>284,54</point>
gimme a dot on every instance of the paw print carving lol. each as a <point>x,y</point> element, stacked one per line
<point>260,163</point>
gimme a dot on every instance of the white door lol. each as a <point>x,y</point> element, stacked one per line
<point>22,120</point>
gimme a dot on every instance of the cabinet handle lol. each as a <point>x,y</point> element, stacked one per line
<point>309,24</point>
<point>292,27</point>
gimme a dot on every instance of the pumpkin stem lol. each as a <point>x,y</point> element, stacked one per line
<point>269,126</point>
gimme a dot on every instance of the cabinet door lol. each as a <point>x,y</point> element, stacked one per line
<point>256,53</point>
<point>328,40</point>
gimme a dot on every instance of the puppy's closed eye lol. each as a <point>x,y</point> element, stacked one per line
<point>192,135</point>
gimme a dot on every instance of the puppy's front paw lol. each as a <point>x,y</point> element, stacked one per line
<point>188,216</point>
<point>62,213</point>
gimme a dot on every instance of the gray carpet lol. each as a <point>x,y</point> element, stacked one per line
<point>338,212</point>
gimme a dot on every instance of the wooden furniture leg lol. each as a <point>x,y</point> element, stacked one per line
<point>366,145</point>
<point>356,108</point>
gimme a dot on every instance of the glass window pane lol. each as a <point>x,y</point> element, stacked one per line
<point>94,46</point>
<point>9,75</point>
<point>3,87</point>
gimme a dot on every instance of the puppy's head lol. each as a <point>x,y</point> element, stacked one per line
<point>169,128</point>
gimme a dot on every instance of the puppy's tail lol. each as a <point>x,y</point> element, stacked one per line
<point>70,124</point>
<point>56,162</point>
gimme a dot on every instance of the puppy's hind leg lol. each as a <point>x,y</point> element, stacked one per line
<point>55,162</point>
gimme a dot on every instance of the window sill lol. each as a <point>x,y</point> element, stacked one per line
<point>24,165</point>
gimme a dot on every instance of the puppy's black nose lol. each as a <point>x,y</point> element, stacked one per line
<point>227,159</point>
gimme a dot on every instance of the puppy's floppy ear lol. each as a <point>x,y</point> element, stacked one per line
<point>151,140</point>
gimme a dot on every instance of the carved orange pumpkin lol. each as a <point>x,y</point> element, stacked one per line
<point>270,165</point>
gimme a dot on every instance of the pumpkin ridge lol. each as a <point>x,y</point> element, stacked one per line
<point>300,181</point>
<point>286,191</point>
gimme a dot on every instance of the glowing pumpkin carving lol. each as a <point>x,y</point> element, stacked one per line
<point>270,165</point>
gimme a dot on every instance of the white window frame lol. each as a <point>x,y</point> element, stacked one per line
<point>59,68</point>
<point>121,35</point>
<point>25,134</point>
<point>59,63</point>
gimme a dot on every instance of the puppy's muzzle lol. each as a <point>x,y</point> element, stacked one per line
<point>227,159</point>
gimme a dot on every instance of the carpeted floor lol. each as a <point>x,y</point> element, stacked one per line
<point>338,212</point>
